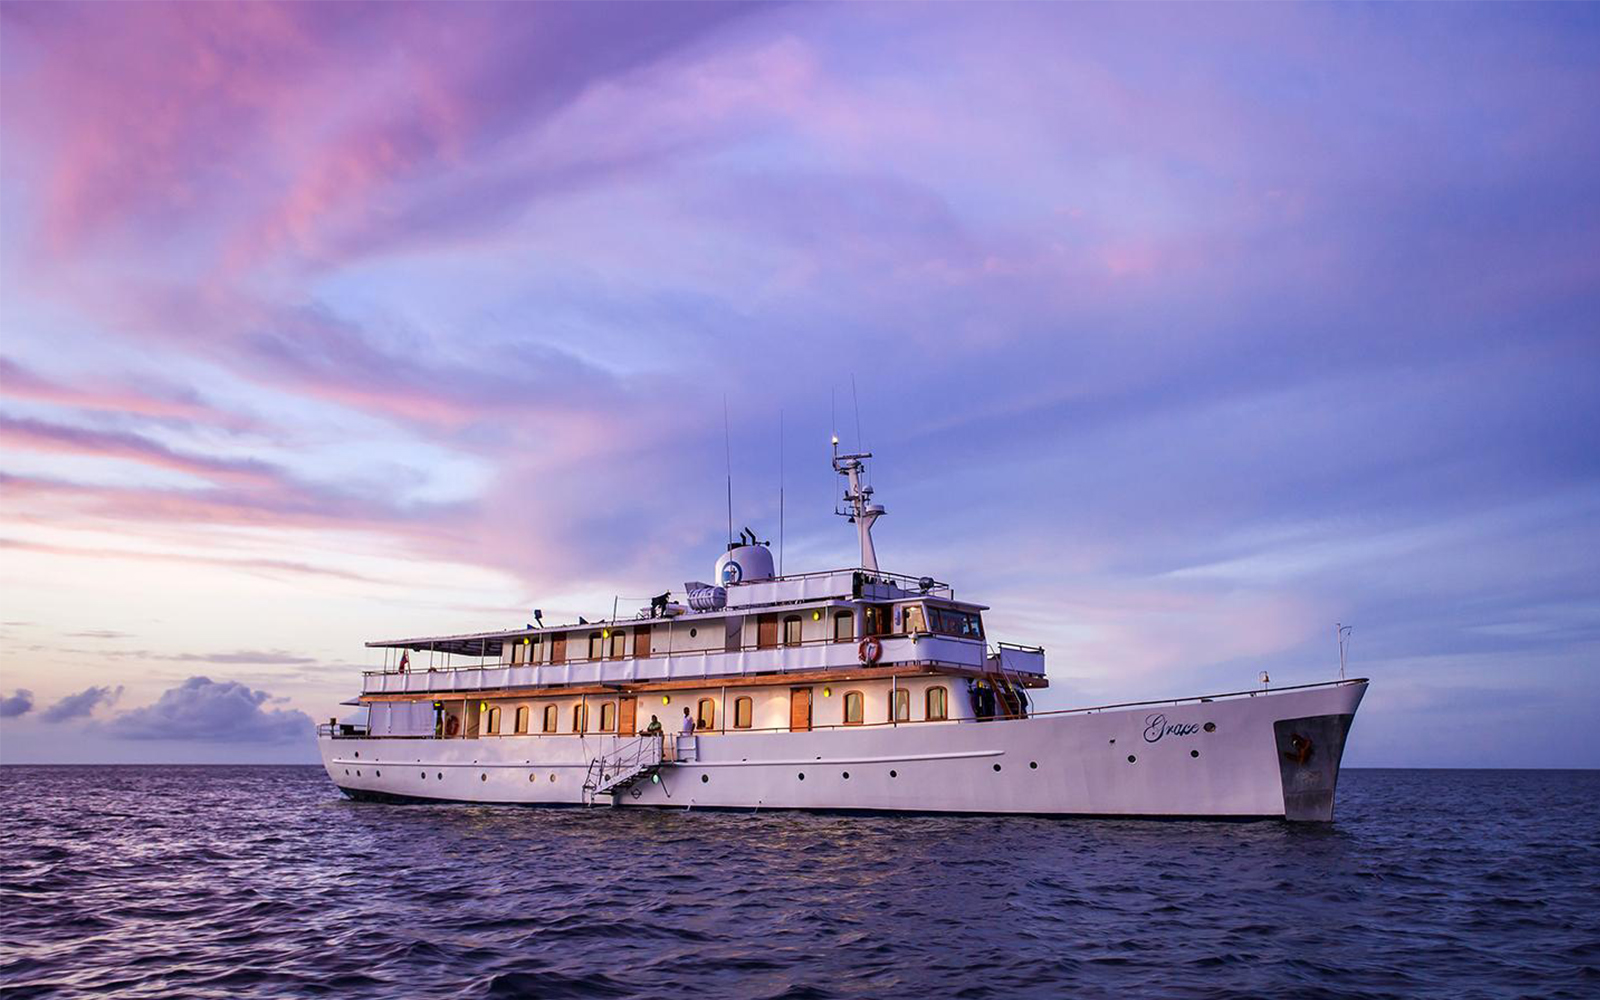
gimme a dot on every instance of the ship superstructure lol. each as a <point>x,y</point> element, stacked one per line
<point>852,688</point>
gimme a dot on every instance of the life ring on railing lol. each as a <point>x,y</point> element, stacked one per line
<point>871,649</point>
<point>452,726</point>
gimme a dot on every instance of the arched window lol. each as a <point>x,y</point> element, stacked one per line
<point>938,704</point>
<point>854,708</point>
<point>493,728</point>
<point>522,720</point>
<point>549,718</point>
<point>900,705</point>
<point>844,626</point>
<point>791,630</point>
<point>705,715</point>
<point>580,717</point>
<point>597,645</point>
<point>743,710</point>
<point>608,717</point>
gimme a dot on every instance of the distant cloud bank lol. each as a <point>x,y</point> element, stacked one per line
<point>214,711</point>
<point>20,703</point>
<point>82,704</point>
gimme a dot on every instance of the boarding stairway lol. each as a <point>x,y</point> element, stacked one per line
<point>619,770</point>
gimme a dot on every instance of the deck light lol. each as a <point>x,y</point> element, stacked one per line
<point>816,616</point>
<point>827,692</point>
<point>606,633</point>
<point>525,640</point>
<point>666,700</point>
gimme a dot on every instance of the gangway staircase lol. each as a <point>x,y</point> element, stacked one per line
<point>628,764</point>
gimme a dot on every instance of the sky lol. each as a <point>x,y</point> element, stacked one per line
<point>1179,334</point>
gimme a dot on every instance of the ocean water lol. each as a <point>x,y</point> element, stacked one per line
<point>265,882</point>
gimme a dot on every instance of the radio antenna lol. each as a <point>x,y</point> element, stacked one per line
<point>857,401</point>
<point>780,493</point>
<point>727,454</point>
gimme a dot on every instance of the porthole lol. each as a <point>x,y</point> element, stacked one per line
<point>693,632</point>
<point>847,775</point>
<point>894,774</point>
<point>705,778</point>
<point>997,768</point>
<point>358,774</point>
<point>440,776</point>
<point>1131,758</point>
<point>552,779</point>
<point>347,770</point>
<point>424,775</point>
<point>358,753</point>
<point>483,777</point>
<point>802,776</point>
<point>1033,765</point>
<point>533,777</point>
<point>1210,727</point>
<point>378,773</point>
<point>1194,753</point>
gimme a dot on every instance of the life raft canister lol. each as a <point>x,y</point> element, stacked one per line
<point>452,725</point>
<point>871,649</point>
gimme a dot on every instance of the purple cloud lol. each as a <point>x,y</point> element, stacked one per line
<point>211,711</point>
<point>19,702</point>
<point>80,705</point>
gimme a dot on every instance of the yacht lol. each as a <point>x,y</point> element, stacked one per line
<point>843,689</point>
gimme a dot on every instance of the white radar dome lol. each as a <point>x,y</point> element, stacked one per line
<point>744,564</point>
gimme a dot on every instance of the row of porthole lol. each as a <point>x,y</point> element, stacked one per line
<point>1192,753</point>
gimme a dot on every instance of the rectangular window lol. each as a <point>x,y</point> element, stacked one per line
<point>619,643</point>
<point>608,717</point>
<point>518,653</point>
<point>791,630</point>
<point>743,709</point>
<point>844,626</point>
<point>549,718</point>
<point>938,704</point>
<point>900,705</point>
<point>853,708</point>
<point>912,619</point>
<point>949,621</point>
<point>707,715</point>
<point>597,645</point>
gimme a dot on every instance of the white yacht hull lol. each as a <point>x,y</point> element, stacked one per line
<point>1271,754</point>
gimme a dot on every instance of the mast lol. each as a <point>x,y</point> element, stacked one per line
<point>859,508</point>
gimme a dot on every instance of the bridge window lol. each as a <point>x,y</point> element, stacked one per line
<point>938,704</point>
<point>608,717</point>
<point>580,718</point>
<point>494,722</point>
<point>549,718</point>
<point>791,630</point>
<point>854,710</point>
<point>899,705</point>
<point>952,622</point>
<point>743,710</point>
<point>844,626</point>
<point>522,720</point>
<point>705,714</point>
<point>597,645</point>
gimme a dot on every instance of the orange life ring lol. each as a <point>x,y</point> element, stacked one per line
<point>871,649</point>
<point>452,725</point>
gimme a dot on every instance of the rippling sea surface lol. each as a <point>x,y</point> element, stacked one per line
<point>265,881</point>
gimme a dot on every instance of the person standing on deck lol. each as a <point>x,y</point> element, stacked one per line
<point>687,728</point>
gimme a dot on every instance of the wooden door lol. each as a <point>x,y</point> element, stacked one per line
<point>766,631</point>
<point>799,710</point>
<point>641,642</point>
<point>558,649</point>
<point>627,714</point>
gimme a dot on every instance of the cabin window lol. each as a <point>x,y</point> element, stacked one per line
<point>854,708</point>
<point>597,645</point>
<point>494,722</point>
<point>899,705</point>
<point>705,714</point>
<point>522,720</point>
<point>791,630</point>
<point>535,650</point>
<point>549,718</point>
<point>608,717</point>
<point>938,704</point>
<point>877,621</point>
<point>743,710</point>
<point>949,621</point>
<point>518,653</point>
<point>844,626</point>
<point>912,619</point>
<point>580,717</point>
<point>619,644</point>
